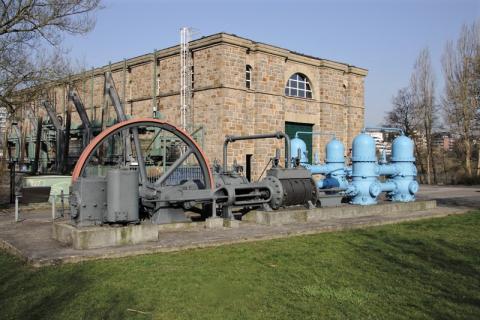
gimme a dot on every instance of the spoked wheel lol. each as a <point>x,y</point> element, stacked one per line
<point>164,155</point>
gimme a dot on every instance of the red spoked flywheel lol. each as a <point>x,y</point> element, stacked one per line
<point>192,146</point>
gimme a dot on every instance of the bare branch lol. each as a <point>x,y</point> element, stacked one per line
<point>30,36</point>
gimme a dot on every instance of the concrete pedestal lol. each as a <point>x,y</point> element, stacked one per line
<point>214,223</point>
<point>110,236</point>
<point>231,223</point>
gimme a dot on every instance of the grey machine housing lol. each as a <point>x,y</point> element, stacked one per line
<point>119,197</point>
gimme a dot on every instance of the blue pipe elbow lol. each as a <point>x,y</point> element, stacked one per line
<point>387,169</point>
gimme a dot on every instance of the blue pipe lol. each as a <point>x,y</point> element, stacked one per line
<point>387,170</point>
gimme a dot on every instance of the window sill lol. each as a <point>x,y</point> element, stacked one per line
<point>299,98</point>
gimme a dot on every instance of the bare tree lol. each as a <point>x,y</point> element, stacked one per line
<point>423,91</point>
<point>461,68</point>
<point>404,116</point>
<point>30,36</point>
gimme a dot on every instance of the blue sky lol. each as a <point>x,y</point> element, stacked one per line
<point>382,36</point>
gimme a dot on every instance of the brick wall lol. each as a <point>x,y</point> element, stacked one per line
<point>221,102</point>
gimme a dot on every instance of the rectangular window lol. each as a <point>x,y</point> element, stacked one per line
<point>248,77</point>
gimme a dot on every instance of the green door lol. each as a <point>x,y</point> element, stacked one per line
<point>293,127</point>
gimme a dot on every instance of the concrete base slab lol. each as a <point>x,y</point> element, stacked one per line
<point>284,217</point>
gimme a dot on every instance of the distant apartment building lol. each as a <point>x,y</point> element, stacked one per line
<point>443,141</point>
<point>3,127</point>
<point>380,142</point>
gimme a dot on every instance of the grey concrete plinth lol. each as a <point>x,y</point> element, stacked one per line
<point>303,215</point>
<point>214,223</point>
<point>231,223</point>
<point>110,236</point>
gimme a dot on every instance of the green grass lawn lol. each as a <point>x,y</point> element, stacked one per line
<point>421,270</point>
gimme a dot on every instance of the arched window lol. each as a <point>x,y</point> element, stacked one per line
<point>248,76</point>
<point>298,86</point>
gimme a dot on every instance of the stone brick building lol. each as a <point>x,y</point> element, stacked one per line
<point>241,87</point>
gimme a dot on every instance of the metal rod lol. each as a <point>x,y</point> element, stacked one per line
<point>52,115</point>
<point>117,104</point>
<point>173,167</point>
<point>196,130</point>
<point>82,112</point>
<point>140,161</point>
<point>12,166</point>
<point>84,87</point>
<point>62,201</point>
<point>16,208</point>
<point>248,167</point>
<point>154,139</point>
<point>112,92</point>
<point>92,111</point>
<point>60,144</point>
<point>66,148</point>
<point>38,145</point>
<point>277,135</point>
<point>124,80</point>
<point>164,152</point>
<point>54,209</point>
<point>64,99</point>
<point>154,83</point>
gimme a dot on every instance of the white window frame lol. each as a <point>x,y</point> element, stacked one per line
<point>294,84</point>
<point>248,76</point>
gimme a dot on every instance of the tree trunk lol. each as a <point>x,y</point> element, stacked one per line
<point>445,172</point>
<point>434,166</point>
<point>428,158</point>
<point>418,156</point>
<point>468,156</point>
<point>478,162</point>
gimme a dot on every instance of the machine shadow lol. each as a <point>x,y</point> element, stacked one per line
<point>439,261</point>
<point>27,293</point>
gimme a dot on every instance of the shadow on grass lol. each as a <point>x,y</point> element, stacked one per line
<point>434,272</point>
<point>57,293</point>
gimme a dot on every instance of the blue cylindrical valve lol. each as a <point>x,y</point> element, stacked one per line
<point>334,167</point>
<point>365,187</point>
<point>335,151</point>
<point>405,178</point>
<point>298,145</point>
